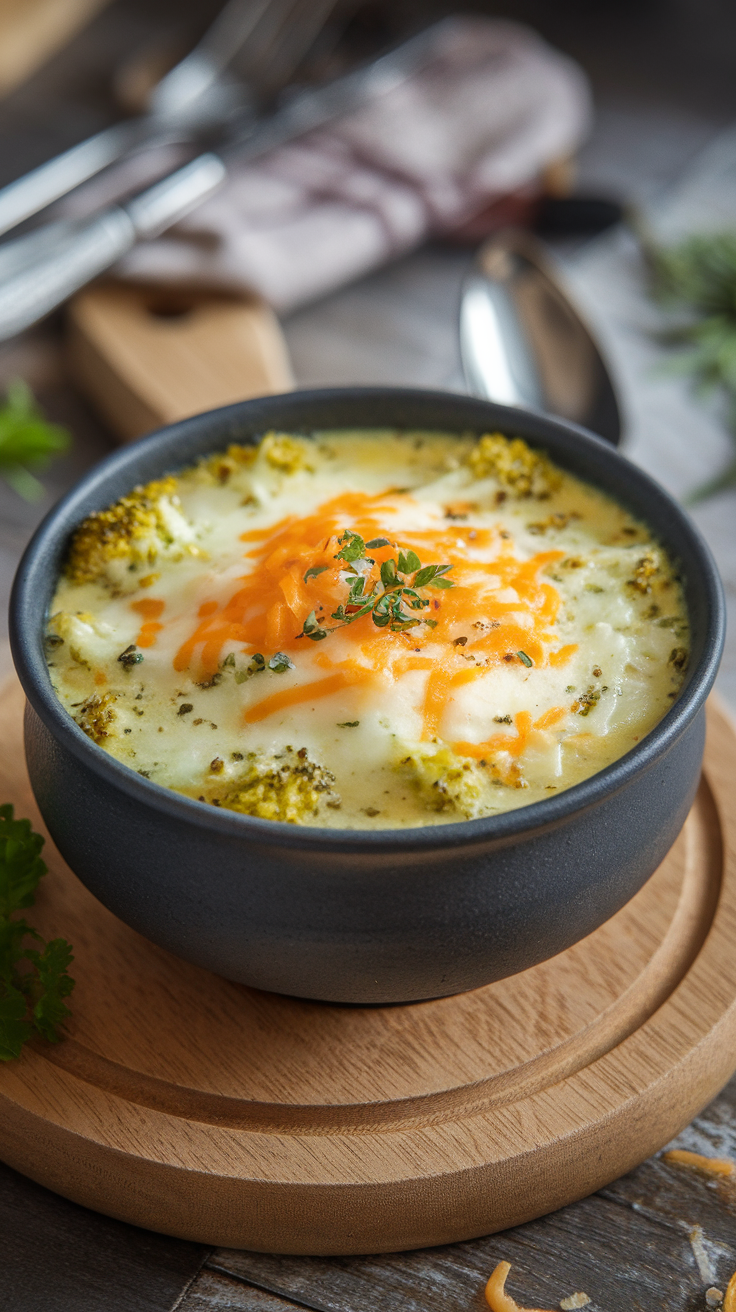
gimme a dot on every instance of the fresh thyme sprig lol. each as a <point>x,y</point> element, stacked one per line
<point>697,277</point>
<point>401,582</point>
<point>27,441</point>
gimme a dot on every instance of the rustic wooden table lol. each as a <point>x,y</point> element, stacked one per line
<point>660,1237</point>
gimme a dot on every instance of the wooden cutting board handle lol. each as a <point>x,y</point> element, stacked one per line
<point>147,357</point>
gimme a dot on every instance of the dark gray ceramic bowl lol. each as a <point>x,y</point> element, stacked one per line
<point>363,917</point>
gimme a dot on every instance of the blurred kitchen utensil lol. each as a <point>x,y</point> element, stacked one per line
<point>194,96</point>
<point>73,255</point>
<point>523,342</point>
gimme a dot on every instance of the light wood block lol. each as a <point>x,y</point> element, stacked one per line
<point>191,1105</point>
<point>31,31</point>
<point>147,357</point>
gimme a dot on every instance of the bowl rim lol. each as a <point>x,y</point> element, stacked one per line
<point>505,827</point>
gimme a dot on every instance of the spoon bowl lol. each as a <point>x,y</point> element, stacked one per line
<point>523,342</point>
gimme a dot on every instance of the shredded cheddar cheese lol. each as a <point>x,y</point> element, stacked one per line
<point>721,1167</point>
<point>497,1298</point>
<point>403,584</point>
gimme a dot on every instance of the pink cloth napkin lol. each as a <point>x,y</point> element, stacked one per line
<point>493,106</point>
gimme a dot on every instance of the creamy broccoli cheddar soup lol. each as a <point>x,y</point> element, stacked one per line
<point>367,629</point>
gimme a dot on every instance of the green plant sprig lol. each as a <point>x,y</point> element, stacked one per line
<point>27,441</point>
<point>33,980</point>
<point>401,582</point>
<point>697,278</point>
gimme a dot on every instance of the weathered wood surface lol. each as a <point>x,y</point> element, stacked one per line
<point>58,1257</point>
<point>628,1248</point>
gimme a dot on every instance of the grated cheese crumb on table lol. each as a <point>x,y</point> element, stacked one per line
<point>497,1298</point>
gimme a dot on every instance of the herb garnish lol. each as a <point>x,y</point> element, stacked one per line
<point>385,602</point>
<point>697,277</point>
<point>130,657</point>
<point>280,663</point>
<point>525,660</point>
<point>33,980</point>
<point>27,441</point>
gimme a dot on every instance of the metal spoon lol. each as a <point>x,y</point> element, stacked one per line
<point>194,96</point>
<point>523,342</point>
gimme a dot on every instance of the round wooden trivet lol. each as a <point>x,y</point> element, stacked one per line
<point>185,1103</point>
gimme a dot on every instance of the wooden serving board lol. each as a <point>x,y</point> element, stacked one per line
<point>147,357</point>
<point>191,1105</point>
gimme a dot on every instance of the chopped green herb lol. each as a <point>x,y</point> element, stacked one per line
<point>525,660</point>
<point>353,548</point>
<point>33,980</point>
<point>389,577</point>
<point>349,724</point>
<point>130,657</point>
<point>314,571</point>
<point>409,562</point>
<point>280,663</point>
<point>385,607</point>
<point>375,543</point>
<point>256,665</point>
<point>27,441</point>
<point>311,628</point>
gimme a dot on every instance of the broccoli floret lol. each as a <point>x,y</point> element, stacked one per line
<point>448,782</point>
<point>285,453</point>
<point>520,471</point>
<point>96,716</point>
<point>221,468</point>
<point>291,788</point>
<point>132,532</point>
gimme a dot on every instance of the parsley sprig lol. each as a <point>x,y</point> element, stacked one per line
<point>386,602</point>
<point>27,441</point>
<point>34,980</point>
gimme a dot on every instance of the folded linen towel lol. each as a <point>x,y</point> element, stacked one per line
<point>491,108</point>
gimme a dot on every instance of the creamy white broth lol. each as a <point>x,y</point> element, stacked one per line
<point>210,664</point>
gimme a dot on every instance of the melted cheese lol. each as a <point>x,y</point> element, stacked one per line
<point>207,631</point>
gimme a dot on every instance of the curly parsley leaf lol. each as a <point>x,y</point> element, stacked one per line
<point>21,866</point>
<point>27,441</point>
<point>34,980</point>
<point>54,983</point>
<point>14,1028</point>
